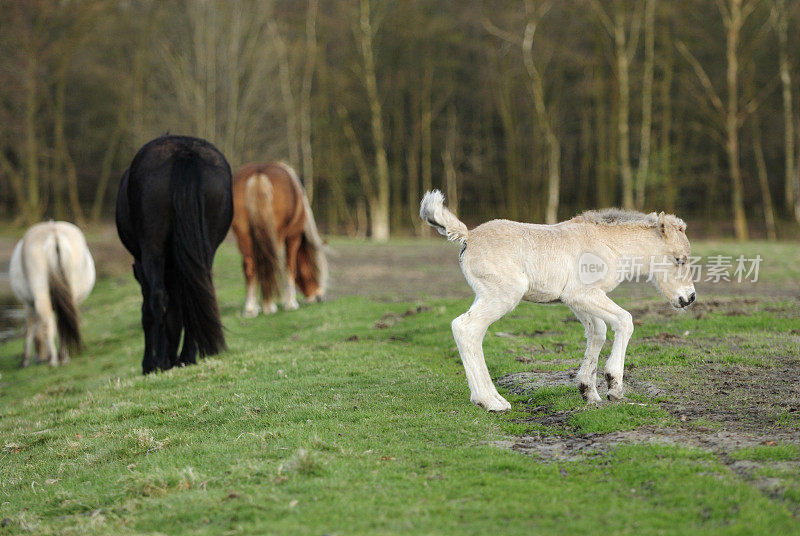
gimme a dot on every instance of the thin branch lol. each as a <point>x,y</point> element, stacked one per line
<point>705,81</point>
<point>498,32</point>
<point>605,20</point>
<point>756,102</point>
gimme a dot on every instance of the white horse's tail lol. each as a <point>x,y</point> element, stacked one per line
<point>433,212</point>
<point>57,251</point>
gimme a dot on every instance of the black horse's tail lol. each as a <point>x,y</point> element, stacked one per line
<point>193,256</point>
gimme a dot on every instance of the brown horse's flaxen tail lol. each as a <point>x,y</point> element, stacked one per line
<point>63,302</point>
<point>262,232</point>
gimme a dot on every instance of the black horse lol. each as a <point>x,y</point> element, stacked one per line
<point>174,208</point>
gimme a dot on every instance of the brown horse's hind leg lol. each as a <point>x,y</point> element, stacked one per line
<point>251,288</point>
<point>289,294</point>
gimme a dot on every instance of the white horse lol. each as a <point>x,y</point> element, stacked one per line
<point>52,272</point>
<point>575,262</point>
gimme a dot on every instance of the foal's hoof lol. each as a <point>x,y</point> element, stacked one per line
<point>615,395</point>
<point>270,308</point>
<point>494,403</point>
<point>592,399</point>
<point>589,394</point>
<point>291,306</point>
<point>250,313</point>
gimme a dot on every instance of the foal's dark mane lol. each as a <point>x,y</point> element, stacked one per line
<point>617,216</point>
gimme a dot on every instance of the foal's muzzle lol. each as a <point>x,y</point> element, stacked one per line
<point>686,303</point>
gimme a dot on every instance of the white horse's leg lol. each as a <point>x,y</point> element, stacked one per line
<point>30,334</point>
<point>595,337</point>
<point>49,324</point>
<point>596,303</point>
<point>469,330</point>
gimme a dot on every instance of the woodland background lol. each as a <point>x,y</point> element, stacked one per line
<point>525,109</point>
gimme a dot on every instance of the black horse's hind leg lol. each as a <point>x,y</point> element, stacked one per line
<point>148,361</point>
<point>174,326</point>
<point>188,352</point>
<point>157,303</point>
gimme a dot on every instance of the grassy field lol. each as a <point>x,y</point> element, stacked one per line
<point>353,416</point>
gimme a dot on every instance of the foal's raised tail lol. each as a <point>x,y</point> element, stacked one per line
<point>193,255</point>
<point>263,232</point>
<point>62,298</point>
<point>433,212</point>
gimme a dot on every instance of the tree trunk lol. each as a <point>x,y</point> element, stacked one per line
<point>734,25</point>
<point>603,193</point>
<point>380,209</point>
<point>427,135</point>
<point>33,206</point>
<point>763,181</point>
<point>623,109</point>
<point>58,171</point>
<point>305,99</point>
<point>508,118</point>
<point>647,104</point>
<point>449,161</point>
<point>669,184</point>
<point>285,79</point>
<point>545,119</point>
<point>72,189</point>
<point>585,158</point>
<point>412,166</point>
<point>781,21</point>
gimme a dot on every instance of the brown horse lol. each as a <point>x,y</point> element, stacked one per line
<point>271,213</point>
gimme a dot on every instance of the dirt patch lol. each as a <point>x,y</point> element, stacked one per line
<point>719,407</point>
<point>390,319</point>
<point>567,448</point>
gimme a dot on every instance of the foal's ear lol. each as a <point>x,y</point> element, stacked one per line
<point>662,225</point>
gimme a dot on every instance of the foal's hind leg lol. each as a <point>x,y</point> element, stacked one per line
<point>595,337</point>
<point>468,331</point>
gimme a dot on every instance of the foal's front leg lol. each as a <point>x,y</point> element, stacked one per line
<point>597,304</point>
<point>595,338</point>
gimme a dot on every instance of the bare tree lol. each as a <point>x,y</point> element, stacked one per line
<point>544,114</point>
<point>451,158</point>
<point>305,97</point>
<point>780,21</point>
<point>624,29</point>
<point>647,103</point>
<point>734,14</point>
<point>365,30</point>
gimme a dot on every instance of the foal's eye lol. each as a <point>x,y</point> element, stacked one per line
<point>679,261</point>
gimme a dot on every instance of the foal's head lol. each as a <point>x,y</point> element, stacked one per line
<point>674,275</point>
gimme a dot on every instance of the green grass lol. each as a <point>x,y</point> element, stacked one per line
<point>778,452</point>
<point>316,422</point>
